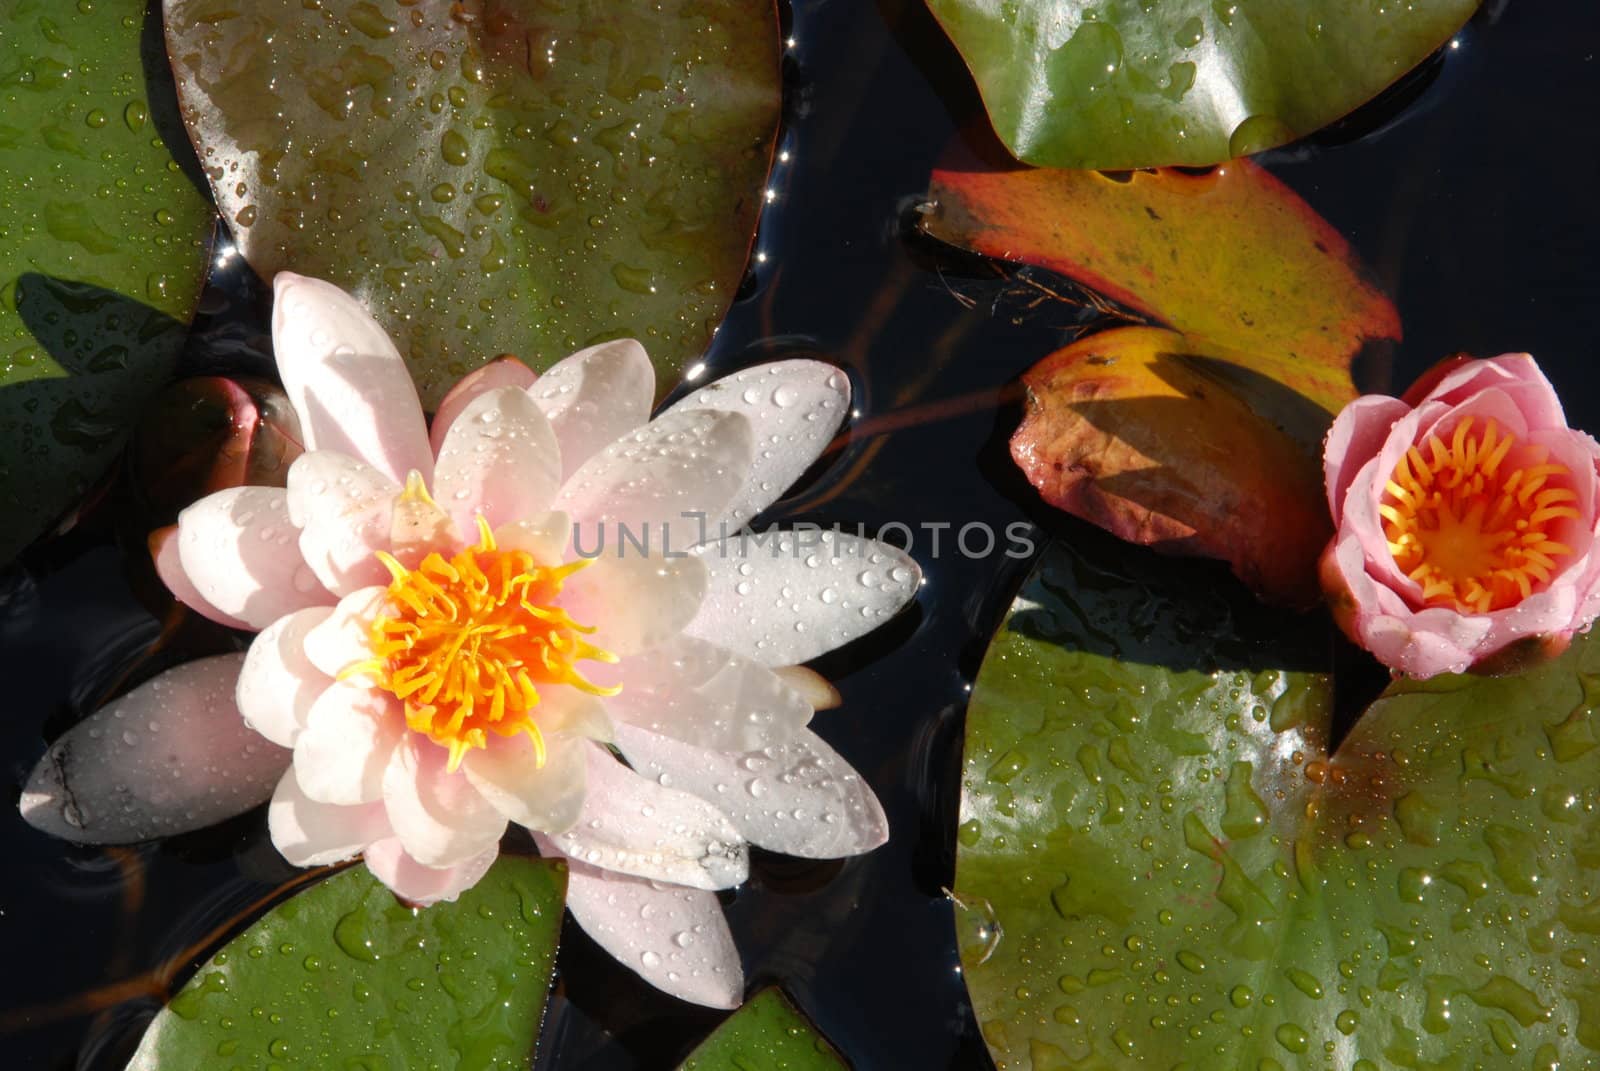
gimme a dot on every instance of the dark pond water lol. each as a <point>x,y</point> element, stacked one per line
<point>1469,191</point>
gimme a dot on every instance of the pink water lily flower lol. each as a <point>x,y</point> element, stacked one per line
<point>454,635</point>
<point>1465,516</point>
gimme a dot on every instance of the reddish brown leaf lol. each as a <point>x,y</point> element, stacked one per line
<point>1204,439</point>
<point>1133,430</point>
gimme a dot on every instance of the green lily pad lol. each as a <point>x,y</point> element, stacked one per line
<point>345,976</point>
<point>1131,83</point>
<point>1159,863</point>
<point>492,176</point>
<point>767,1034</point>
<point>102,250</point>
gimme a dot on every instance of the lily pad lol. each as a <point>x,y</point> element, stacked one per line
<point>1131,83</point>
<point>102,251</point>
<point>1202,437</point>
<point>767,1034</point>
<point>1159,862</point>
<point>345,976</point>
<point>492,176</point>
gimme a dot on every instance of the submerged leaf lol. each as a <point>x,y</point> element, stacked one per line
<point>1123,84</point>
<point>103,247</point>
<point>1159,862</point>
<point>1205,438</point>
<point>491,176</point>
<point>767,1034</point>
<point>343,975</point>
<point>208,433</point>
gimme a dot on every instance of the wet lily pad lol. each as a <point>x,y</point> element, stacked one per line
<point>767,1034</point>
<point>102,249</point>
<point>1130,83</point>
<point>492,176</point>
<point>1185,434</point>
<point>345,976</point>
<point>1159,862</point>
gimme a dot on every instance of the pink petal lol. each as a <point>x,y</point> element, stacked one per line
<point>545,798</point>
<point>170,756</point>
<point>674,938</point>
<point>636,826</point>
<point>546,538</point>
<point>438,816</point>
<point>308,833</point>
<point>701,694</point>
<point>278,684</point>
<point>1357,434</point>
<point>595,397</point>
<point>796,595</point>
<point>341,755</point>
<point>500,460</point>
<point>164,553</point>
<point>795,408</point>
<point>800,797</point>
<point>1517,374</point>
<point>812,686</point>
<point>345,379</point>
<point>503,371</point>
<point>421,885</point>
<point>1420,644</point>
<point>660,475</point>
<point>633,602</point>
<point>342,638</point>
<point>345,509</point>
<point>238,548</point>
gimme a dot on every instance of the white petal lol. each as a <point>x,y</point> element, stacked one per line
<point>426,885</point>
<point>170,756</point>
<point>503,371</point>
<point>499,460</point>
<point>438,816</point>
<point>659,475</point>
<point>164,554</point>
<point>637,827</point>
<point>595,397</point>
<point>635,602</point>
<point>702,694</point>
<point>673,937</point>
<point>239,549</point>
<point>545,798</point>
<point>345,379</point>
<point>546,537</point>
<point>795,408</point>
<point>278,684</point>
<point>345,509</point>
<point>308,833</point>
<point>795,595</point>
<point>799,798</point>
<point>342,638</point>
<point>341,755</point>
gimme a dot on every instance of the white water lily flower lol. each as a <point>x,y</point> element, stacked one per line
<point>439,656</point>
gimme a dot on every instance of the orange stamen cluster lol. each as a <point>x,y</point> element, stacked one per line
<point>471,640</point>
<point>1473,520</point>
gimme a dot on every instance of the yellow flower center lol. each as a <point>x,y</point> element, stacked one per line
<point>472,639</point>
<point>1472,527</point>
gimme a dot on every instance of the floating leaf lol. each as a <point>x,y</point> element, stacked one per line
<point>1206,438</point>
<point>492,175</point>
<point>102,250</point>
<point>345,976</point>
<point>1129,83</point>
<point>1158,863</point>
<point>767,1034</point>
